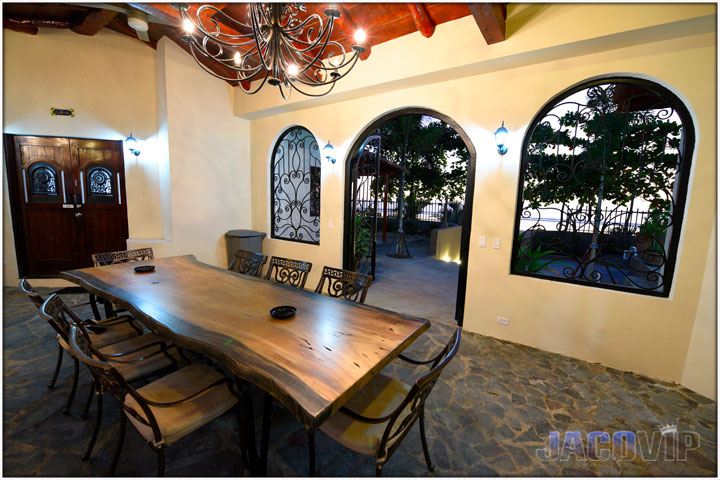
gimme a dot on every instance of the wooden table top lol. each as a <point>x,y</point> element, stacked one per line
<point>312,363</point>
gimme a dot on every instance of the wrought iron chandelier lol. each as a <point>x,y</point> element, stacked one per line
<point>274,44</point>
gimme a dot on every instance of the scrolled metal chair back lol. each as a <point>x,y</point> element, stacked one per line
<point>28,290</point>
<point>248,263</point>
<point>405,416</point>
<point>350,285</point>
<point>122,256</point>
<point>59,316</point>
<point>288,271</point>
<point>108,379</point>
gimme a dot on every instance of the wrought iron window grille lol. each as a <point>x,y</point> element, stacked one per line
<point>602,187</point>
<point>295,187</point>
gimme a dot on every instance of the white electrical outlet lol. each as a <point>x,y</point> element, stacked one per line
<point>483,241</point>
<point>503,321</point>
<point>496,242</point>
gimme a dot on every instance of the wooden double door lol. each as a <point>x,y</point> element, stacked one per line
<point>67,197</point>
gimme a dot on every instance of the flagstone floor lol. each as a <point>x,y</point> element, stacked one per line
<point>491,413</point>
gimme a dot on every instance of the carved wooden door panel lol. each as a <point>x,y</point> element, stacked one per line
<point>67,201</point>
<point>102,223</point>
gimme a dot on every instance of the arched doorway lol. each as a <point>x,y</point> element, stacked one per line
<point>366,138</point>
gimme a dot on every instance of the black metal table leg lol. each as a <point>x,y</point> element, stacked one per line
<point>265,438</point>
<point>249,426</point>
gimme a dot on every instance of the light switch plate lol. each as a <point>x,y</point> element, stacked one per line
<point>483,241</point>
<point>496,242</point>
<point>330,224</point>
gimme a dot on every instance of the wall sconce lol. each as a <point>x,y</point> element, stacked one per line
<point>132,145</point>
<point>501,139</point>
<point>329,152</point>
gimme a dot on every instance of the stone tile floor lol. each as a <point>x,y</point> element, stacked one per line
<point>492,410</point>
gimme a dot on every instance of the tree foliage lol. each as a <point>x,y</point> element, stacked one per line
<point>605,148</point>
<point>436,157</point>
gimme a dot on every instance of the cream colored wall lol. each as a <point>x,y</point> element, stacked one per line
<point>628,331</point>
<point>700,372</point>
<point>209,160</point>
<point>110,82</point>
<point>189,185</point>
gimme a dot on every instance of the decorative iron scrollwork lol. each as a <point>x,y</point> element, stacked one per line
<point>296,187</point>
<point>602,187</point>
<point>100,181</point>
<point>248,263</point>
<point>350,285</point>
<point>43,180</point>
<point>288,271</point>
<point>122,256</point>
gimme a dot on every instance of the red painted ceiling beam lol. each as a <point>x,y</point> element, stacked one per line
<point>422,19</point>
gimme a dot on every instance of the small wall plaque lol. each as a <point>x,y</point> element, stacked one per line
<point>62,112</point>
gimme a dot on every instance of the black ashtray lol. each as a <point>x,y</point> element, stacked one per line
<point>283,313</point>
<point>145,269</point>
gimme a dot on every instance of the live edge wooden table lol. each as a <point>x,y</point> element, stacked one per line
<point>312,363</point>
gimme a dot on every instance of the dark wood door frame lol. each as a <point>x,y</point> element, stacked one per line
<point>15,196</point>
<point>469,194</point>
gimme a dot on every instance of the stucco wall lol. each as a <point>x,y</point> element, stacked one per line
<point>628,331</point>
<point>190,183</point>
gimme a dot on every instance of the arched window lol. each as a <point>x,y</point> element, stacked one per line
<point>295,188</point>
<point>603,181</point>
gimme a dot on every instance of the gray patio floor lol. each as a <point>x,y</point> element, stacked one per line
<point>491,413</point>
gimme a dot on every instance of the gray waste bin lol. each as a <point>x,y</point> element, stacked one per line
<point>249,240</point>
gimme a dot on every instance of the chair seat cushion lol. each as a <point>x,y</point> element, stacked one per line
<point>110,335</point>
<point>137,370</point>
<point>178,420</point>
<point>377,399</point>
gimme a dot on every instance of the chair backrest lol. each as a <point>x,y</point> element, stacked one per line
<point>122,256</point>
<point>410,409</point>
<point>59,315</point>
<point>288,271</point>
<point>351,285</point>
<point>28,290</point>
<point>248,263</point>
<point>108,379</point>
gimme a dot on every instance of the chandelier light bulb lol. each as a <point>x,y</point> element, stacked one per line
<point>247,51</point>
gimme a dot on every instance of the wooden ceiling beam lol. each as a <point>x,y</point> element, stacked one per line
<point>349,28</point>
<point>30,25</point>
<point>490,18</point>
<point>19,27</point>
<point>94,21</point>
<point>422,19</point>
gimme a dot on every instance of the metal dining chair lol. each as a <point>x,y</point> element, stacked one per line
<point>248,263</point>
<point>350,285</point>
<point>377,418</point>
<point>121,256</point>
<point>165,410</point>
<point>288,271</point>
<point>136,358</point>
<point>105,332</point>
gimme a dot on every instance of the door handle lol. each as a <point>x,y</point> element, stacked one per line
<point>78,214</point>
